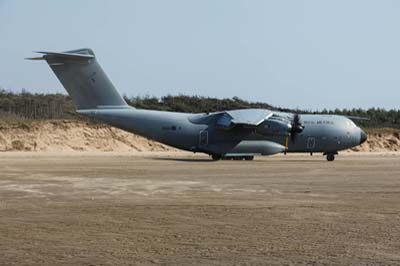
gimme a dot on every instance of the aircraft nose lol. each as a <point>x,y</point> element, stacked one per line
<point>363,136</point>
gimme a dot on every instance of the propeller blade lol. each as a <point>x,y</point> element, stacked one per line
<point>297,127</point>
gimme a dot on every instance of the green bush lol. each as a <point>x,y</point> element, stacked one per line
<point>37,106</point>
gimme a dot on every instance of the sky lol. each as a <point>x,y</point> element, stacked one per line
<point>308,54</point>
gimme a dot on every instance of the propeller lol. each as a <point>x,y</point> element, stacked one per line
<point>297,127</point>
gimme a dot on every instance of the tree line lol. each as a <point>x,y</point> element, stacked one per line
<point>39,106</point>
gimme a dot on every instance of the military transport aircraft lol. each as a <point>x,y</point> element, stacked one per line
<point>233,134</point>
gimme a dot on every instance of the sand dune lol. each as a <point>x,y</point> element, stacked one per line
<point>72,136</point>
<point>381,142</point>
<point>66,136</point>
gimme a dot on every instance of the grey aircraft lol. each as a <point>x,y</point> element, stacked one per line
<point>234,134</point>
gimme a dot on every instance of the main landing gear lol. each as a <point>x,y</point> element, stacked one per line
<point>330,156</point>
<point>217,157</point>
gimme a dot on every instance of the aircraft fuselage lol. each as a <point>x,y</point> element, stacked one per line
<point>322,133</point>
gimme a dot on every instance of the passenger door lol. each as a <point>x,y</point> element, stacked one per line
<point>203,139</point>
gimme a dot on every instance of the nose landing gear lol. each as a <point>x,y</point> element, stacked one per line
<point>330,156</point>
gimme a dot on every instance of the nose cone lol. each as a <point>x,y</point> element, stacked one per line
<point>363,136</point>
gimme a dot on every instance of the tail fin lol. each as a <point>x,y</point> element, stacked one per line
<point>83,78</point>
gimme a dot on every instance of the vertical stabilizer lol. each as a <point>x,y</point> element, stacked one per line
<point>84,79</point>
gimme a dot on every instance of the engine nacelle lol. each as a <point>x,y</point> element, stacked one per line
<point>248,147</point>
<point>274,127</point>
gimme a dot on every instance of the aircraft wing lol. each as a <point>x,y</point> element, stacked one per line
<point>246,117</point>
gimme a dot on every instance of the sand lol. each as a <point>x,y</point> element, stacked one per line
<point>173,209</point>
<point>66,136</point>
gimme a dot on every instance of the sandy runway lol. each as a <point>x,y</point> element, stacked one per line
<point>175,209</point>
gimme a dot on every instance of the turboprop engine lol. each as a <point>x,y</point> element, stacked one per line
<point>274,127</point>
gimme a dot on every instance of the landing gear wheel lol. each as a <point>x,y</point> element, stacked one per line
<point>216,157</point>
<point>330,157</point>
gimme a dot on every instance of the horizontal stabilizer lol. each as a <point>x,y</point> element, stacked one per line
<point>35,58</point>
<point>77,55</point>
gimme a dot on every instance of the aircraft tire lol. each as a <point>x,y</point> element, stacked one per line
<point>330,157</point>
<point>216,157</point>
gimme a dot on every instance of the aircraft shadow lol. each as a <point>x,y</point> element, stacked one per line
<point>183,159</point>
<point>205,160</point>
